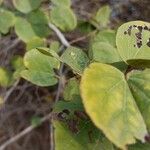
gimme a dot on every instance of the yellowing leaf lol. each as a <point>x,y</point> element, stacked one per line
<point>64,18</point>
<point>133,42</point>
<point>110,104</point>
<point>25,6</point>
<point>139,82</point>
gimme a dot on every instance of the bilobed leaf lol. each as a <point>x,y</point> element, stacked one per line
<point>133,41</point>
<point>71,90</point>
<point>34,43</point>
<point>26,6</point>
<point>39,22</point>
<point>24,30</point>
<point>76,133</point>
<point>7,20</point>
<point>62,2</point>
<point>139,82</point>
<point>64,18</point>
<point>5,77</point>
<point>75,58</point>
<point>104,53</point>
<point>39,68</point>
<point>109,103</point>
<point>103,15</point>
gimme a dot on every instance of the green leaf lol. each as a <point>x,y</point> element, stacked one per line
<point>64,18</point>
<point>55,46</point>
<point>77,133</point>
<point>39,23</point>
<point>133,41</point>
<point>140,146</point>
<point>105,53</point>
<point>107,36</point>
<point>7,20</point>
<point>71,90</point>
<point>24,30</point>
<point>84,27</point>
<point>139,82</point>
<point>34,43</point>
<point>18,66</point>
<point>75,58</point>
<point>39,68</point>
<point>26,6</point>
<point>62,2</point>
<point>71,106</point>
<point>5,77</point>
<point>103,15</point>
<point>36,121</point>
<point>110,104</point>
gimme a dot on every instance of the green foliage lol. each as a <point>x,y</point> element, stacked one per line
<point>101,19</point>
<point>7,20</point>
<point>71,90</point>
<point>64,18</point>
<point>105,53</point>
<point>61,2</point>
<point>34,43</point>
<point>105,90</point>
<point>39,23</point>
<point>26,6</point>
<point>18,66</point>
<point>76,131</point>
<point>115,98</point>
<point>39,68</point>
<point>5,77</point>
<point>75,58</point>
<point>139,82</point>
<point>55,46</point>
<point>36,121</point>
<point>24,30</point>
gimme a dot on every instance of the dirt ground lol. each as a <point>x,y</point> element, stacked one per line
<point>28,100</point>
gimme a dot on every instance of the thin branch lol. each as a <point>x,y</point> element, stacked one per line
<point>23,133</point>
<point>14,44</point>
<point>59,34</point>
<point>9,92</point>
<point>49,116</point>
<point>83,37</point>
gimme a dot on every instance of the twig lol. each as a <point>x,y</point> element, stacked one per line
<point>83,37</point>
<point>59,34</point>
<point>23,133</point>
<point>15,43</point>
<point>30,128</point>
<point>8,93</point>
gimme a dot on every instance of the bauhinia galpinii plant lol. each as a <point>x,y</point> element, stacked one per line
<point>106,104</point>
